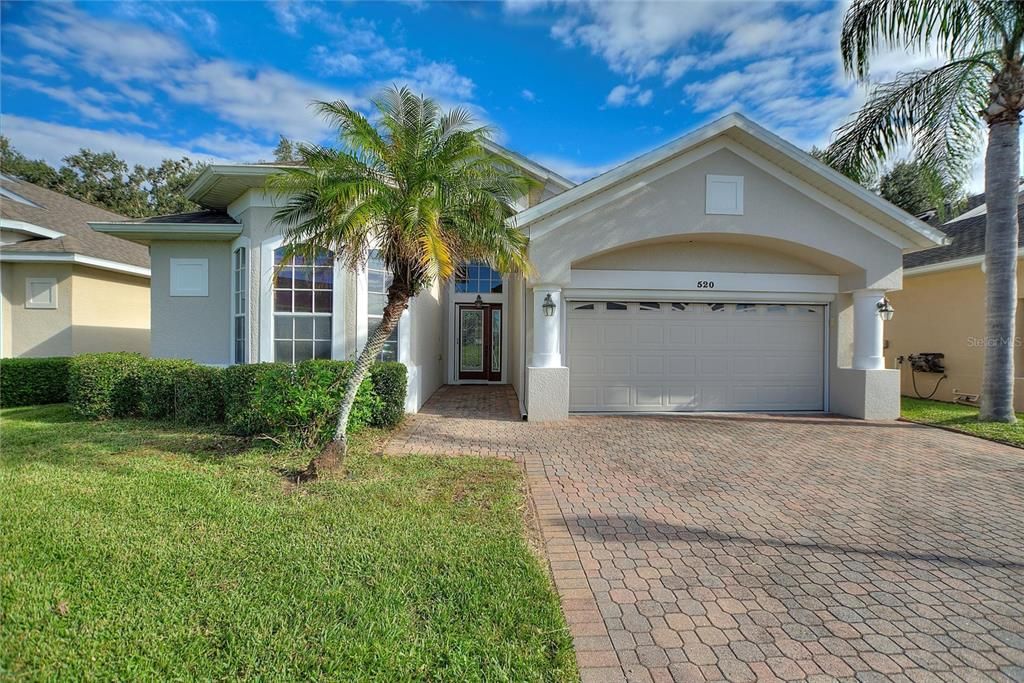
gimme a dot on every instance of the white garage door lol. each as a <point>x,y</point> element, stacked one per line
<point>668,356</point>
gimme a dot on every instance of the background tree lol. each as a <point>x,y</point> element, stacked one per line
<point>941,112</point>
<point>285,150</point>
<point>916,188</point>
<point>418,185</point>
<point>105,180</point>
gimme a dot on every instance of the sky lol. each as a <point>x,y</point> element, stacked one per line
<point>577,86</point>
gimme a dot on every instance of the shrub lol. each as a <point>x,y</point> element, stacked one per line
<point>102,385</point>
<point>301,401</point>
<point>390,384</point>
<point>199,394</point>
<point>157,378</point>
<point>33,381</point>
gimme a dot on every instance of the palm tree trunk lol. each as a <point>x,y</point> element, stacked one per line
<point>1002,177</point>
<point>333,454</point>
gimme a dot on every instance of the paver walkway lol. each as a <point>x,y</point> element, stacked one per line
<point>753,547</point>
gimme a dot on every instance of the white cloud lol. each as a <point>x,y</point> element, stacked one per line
<point>262,99</point>
<point>233,147</point>
<point>440,80</point>
<point>572,169</point>
<point>678,66</point>
<point>528,95</point>
<point>52,142</point>
<point>109,49</point>
<point>78,100</point>
<point>332,62</point>
<point>634,38</point>
<point>41,66</point>
<point>290,14</point>
<point>624,95</point>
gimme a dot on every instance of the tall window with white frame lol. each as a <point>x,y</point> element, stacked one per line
<point>378,279</point>
<point>240,301</point>
<point>303,307</point>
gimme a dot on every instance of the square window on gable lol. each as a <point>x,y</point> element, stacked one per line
<point>724,195</point>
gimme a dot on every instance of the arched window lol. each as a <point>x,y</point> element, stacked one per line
<point>303,307</point>
<point>476,277</point>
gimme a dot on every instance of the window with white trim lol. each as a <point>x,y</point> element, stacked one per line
<point>41,292</point>
<point>378,279</point>
<point>240,302</point>
<point>303,306</point>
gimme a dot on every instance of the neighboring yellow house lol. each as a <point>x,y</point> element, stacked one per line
<point>941,309</point>
<point>66,289</point>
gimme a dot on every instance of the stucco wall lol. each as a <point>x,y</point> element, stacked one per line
<point>191,327</point>
<point>700,254</point>
<point>673,205</point>
<point>111,311</point>
<point>426,340</point>
<point>516,331</point>
<point>944,312</point>
<point>37,332</point>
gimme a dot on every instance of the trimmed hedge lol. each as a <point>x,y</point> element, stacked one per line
<point>302,401</point>
<point>390,382</point>
<point>33,381</point>
<point>103,385</point>
<point>295,401</point>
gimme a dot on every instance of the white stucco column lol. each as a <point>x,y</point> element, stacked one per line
<point>546,329</point>
<point>867,330</point>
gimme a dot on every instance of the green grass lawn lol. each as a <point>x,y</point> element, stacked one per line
<point>131,550</point>
<point>962,419</point>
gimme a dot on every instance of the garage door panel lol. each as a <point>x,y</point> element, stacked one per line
<point>616,366</point>
<point>650,365</point>
<point>648,334</point>
<point>650,396</point>
<point>616,397</point>
<point>682,367</point>
<point>678,356</point>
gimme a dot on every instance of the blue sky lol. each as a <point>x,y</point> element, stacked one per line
<point>577,86</point>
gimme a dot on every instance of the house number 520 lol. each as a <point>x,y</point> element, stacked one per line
<point>705,284</point>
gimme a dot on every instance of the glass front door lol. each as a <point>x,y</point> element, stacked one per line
<point>479,342</point>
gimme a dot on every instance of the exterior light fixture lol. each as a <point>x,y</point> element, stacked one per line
<point>478,303</point>
<point>885,310</point>
<point>548,306</point>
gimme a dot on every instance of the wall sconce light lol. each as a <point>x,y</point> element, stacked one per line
<point>478,303</point>
<point>885,310</point>
<point>548,306</point>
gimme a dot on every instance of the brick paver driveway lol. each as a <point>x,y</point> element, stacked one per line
<point>755,547</point>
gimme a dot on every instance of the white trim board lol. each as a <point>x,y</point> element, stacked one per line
<point>713,281</point>
<point>79,259</point>
<point>29,228</point>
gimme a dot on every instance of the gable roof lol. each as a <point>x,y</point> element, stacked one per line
<point>966,234</point>
<point>59,225</point>
<point>768,145</point>
<point>220,184</point>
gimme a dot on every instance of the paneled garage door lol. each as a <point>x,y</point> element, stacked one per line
<point>675,356</point>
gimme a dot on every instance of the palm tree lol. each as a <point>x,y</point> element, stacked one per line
<point>418,185</point>
<point>943,112</point>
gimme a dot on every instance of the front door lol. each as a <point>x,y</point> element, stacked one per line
<point>479,342</point>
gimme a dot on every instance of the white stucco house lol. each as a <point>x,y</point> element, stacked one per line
<point>725,271</point>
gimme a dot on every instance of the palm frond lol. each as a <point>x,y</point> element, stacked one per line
<point>958,29</point>
<point>936,111</point>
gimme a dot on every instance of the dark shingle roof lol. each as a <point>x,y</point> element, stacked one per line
<point>967,235</point>
<point>194,217</point>
<point>55,211</point>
